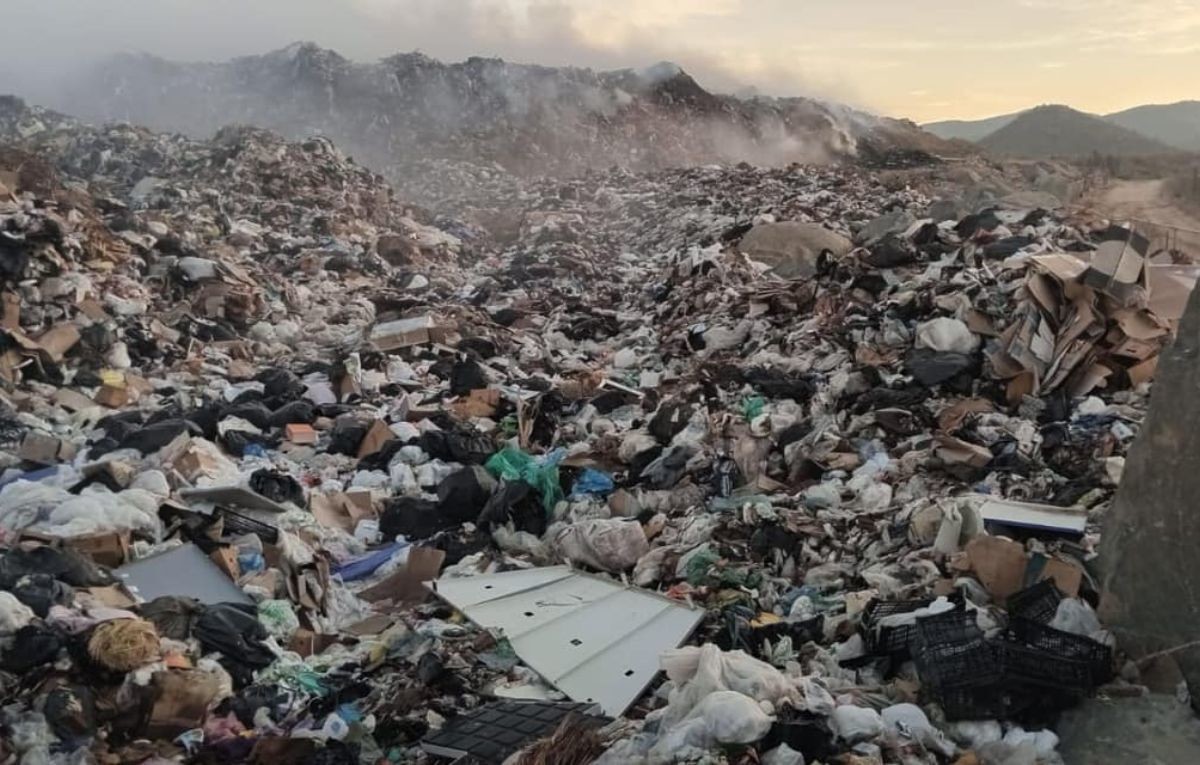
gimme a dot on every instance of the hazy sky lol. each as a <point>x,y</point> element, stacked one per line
<point>923,59</point>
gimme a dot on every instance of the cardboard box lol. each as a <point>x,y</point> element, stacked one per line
<point>45,449</point>
<point>108,548</point>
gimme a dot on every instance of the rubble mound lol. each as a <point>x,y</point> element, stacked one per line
<point>529,119</point>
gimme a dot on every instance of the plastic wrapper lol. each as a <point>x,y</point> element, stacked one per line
<point>695,672</point>
<point>612,545</point>
<point>721,717</point>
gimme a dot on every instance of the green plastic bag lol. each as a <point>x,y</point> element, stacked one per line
<point>752,407</point>
<point>541,473</point>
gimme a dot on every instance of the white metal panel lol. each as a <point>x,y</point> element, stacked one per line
<point>595,639</point>
<point>467,591</point>
<point>524,612</point>
<point>619,674</point>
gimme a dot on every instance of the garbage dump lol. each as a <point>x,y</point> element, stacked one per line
<point>722,464</point>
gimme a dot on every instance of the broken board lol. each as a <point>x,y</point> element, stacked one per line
<point>596,640</point>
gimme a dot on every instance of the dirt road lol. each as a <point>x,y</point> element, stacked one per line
<point>1147,202</point>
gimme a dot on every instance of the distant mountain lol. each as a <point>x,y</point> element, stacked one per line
<point>1176,125</point>
<point>969,130</point>
<point>529,119</point>
<point>1060,131</point>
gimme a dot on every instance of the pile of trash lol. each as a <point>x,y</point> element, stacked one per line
<point>295,471</point>
<point>531,120</point>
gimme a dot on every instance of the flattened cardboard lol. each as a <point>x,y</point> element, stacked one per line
<point>181,701</point>
<point>308,643</point>
<point>482,402</point>
<point>45,449</point>
<point>73,400</point>
<point>12,310</point>
<point>405,586</point>
<point>952,417</point>
<point>958,452</point>
<point>998,563</point>
<point>58,340</point>
<point>342,509</point>
<point>376,437</point>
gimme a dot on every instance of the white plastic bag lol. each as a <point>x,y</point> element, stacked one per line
<point>696,672</point>
<point>854,724</point>
<point>722,717</point>
<point>611,544</point>
<point>908,720</point>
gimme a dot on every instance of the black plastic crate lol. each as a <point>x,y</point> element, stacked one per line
<point>1038,603</point>
<point>892,641</point>
<point>944,667</point>
<point>994,702</point>
<point>1065,646</point>
<point>878,609</point>
<point>955,627</point>
<point>1035,667</point>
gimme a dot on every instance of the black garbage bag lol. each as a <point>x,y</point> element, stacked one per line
<point>931,368</point>
<point>246,702</point>
<point>890,252</point>
<point>206,417</point>
<point>381,459</point>
<point>465,445</point>
<point>236,442</point>
<point>514,502</point>
<point>413,517</point>
<point>173,616</point>
<point>480,346</point>
<point>972,224</point>
<point>466,376</point>
<point>336,753</point>
<point>62,564</point>
<point>71,712</point>
<point>671,418</point>
<point>276,486</point>
<point>256,413</point>
<point>301,411</point>
<point>233,630</point>
<point>775,383</point>
<point>41,591</point>
<point>665,472</point>
<point>280,383</point>
<point>34,645</point>
<point>122,424</point>
<point>462,496</point>
<point>347,436</point>
<point>151,438</point>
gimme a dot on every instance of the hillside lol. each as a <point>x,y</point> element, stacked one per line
<point>1176,125</point>
<point>969,130</point>
<point>529,119</point>
<point>1060,131</point>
